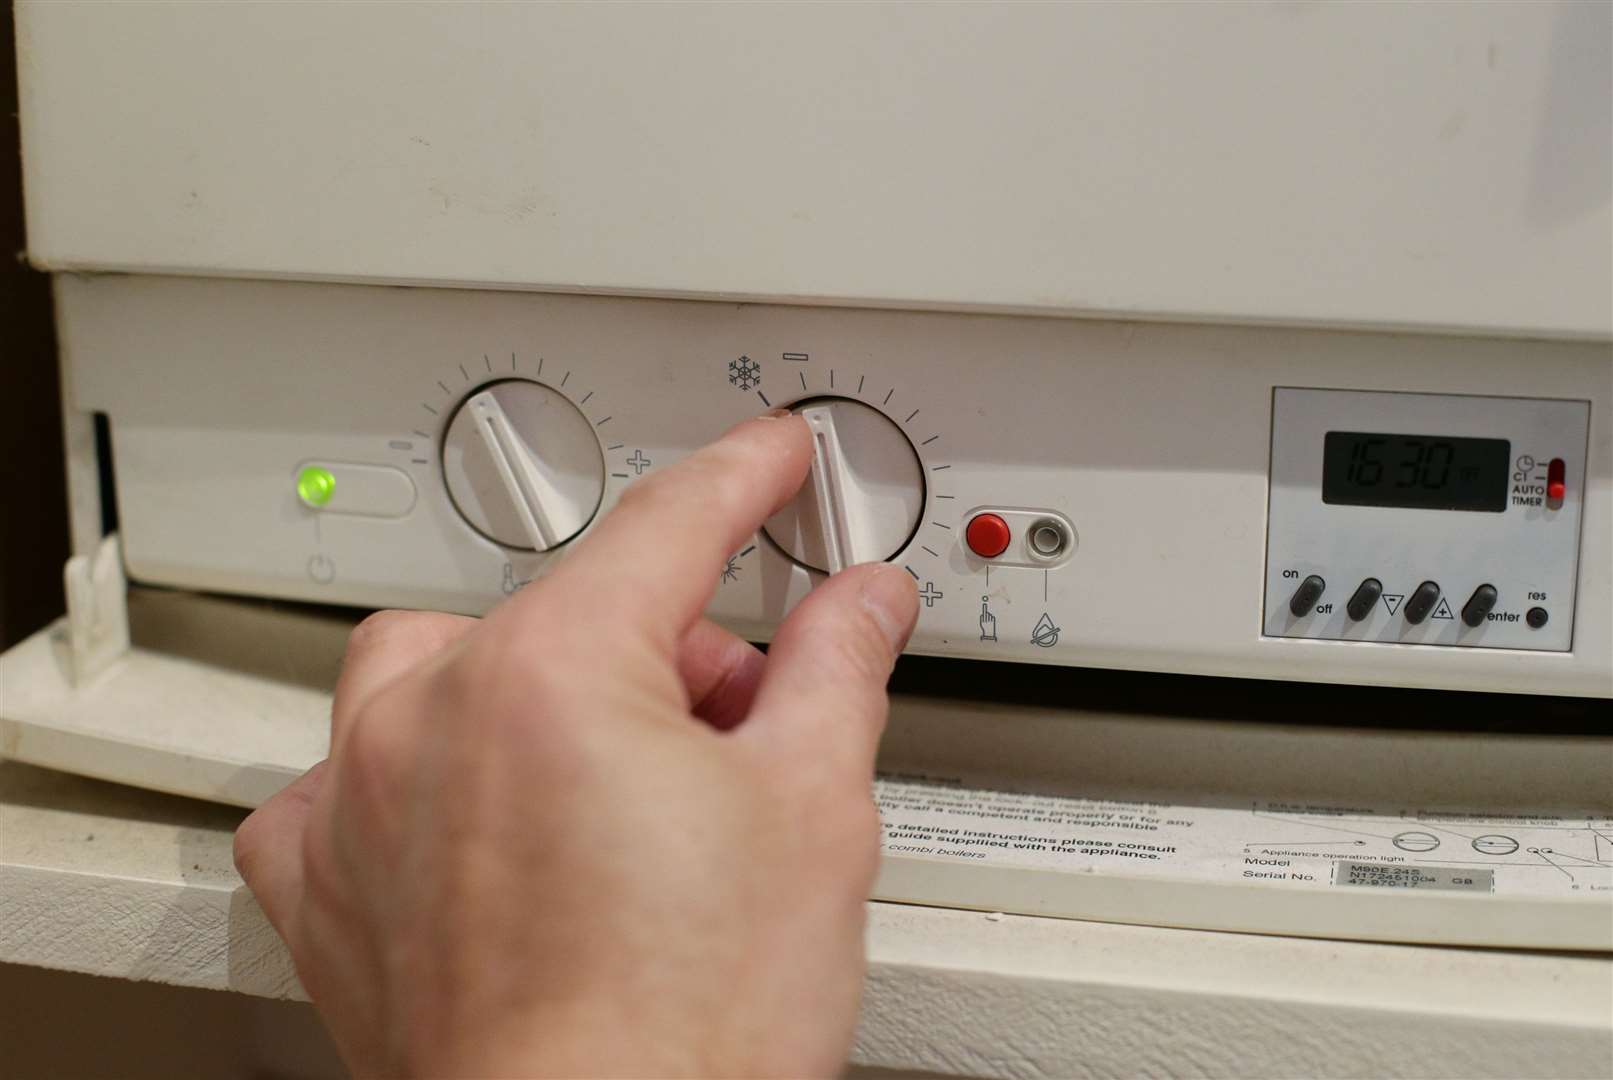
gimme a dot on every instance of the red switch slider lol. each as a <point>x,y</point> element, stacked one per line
<point>1556,482</point>
<point>987,535</point>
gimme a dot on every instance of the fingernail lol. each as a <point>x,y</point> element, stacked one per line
<point>774,414</point>
<point>891,598</point>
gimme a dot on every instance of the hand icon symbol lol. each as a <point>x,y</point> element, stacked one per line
<point>988,621</point>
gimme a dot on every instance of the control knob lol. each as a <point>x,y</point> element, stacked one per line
<point>522,465</point>
<point>865,493</point>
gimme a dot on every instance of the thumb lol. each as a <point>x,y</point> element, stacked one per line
<point>822,696</point>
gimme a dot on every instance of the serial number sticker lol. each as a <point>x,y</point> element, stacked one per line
<point>1402,876</point>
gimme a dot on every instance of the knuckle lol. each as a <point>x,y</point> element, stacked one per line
<point>380,629</point>
<point>248,846</point>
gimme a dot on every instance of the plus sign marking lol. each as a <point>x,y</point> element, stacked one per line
<point>639,462</point>
<point>930,594</point>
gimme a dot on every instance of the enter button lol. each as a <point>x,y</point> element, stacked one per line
<point>1479,604</point>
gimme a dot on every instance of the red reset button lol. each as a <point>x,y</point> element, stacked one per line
<point>987,535</point>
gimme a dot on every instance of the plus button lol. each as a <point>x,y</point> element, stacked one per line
<point>639,462</point>
<point>930,594</point>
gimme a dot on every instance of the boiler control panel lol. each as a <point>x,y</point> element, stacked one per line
<point>1425,519</point>
<point>1078,492</point>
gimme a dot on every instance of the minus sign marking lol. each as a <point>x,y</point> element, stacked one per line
<point>946,496</point>
<point>746,552</point>
<point>420,461</point>
<point>948,528</point>
<point>622,475</point>
<point>938,468</point>
<point>931,550</point>
<point>909,569</point>
<point>618,446</point>
<point>422,434</point>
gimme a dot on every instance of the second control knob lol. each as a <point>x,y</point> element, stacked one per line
<point>864,496</point>
<point>523,465</point>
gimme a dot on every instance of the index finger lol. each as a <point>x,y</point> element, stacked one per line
<point>656,557</point>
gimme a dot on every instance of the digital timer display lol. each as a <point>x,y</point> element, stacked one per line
<point>1423,472</point>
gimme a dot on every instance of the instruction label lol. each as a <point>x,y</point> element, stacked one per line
<point>1266,843</point>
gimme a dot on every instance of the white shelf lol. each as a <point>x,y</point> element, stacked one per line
<point>115,881</point>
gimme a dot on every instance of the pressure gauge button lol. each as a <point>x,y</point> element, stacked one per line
<point>1421,602</point>
<point>988,535</point>
<point>1361,601</point>
<point>523,465</point>
<point>1310,590</point>
<point>862,500</point>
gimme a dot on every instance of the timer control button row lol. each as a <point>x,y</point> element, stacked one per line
<point>1421,602</point>
<point>1479,604</point>
<point>1310,590</point>
<point>1362,600</point>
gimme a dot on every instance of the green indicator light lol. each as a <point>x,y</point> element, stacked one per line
<point>315,485</point>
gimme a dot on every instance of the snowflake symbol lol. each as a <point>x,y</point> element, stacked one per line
<point>745,373</point>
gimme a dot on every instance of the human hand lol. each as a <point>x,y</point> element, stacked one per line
<point>593,833</point>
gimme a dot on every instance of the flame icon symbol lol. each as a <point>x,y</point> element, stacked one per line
<point>1045,634</point>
